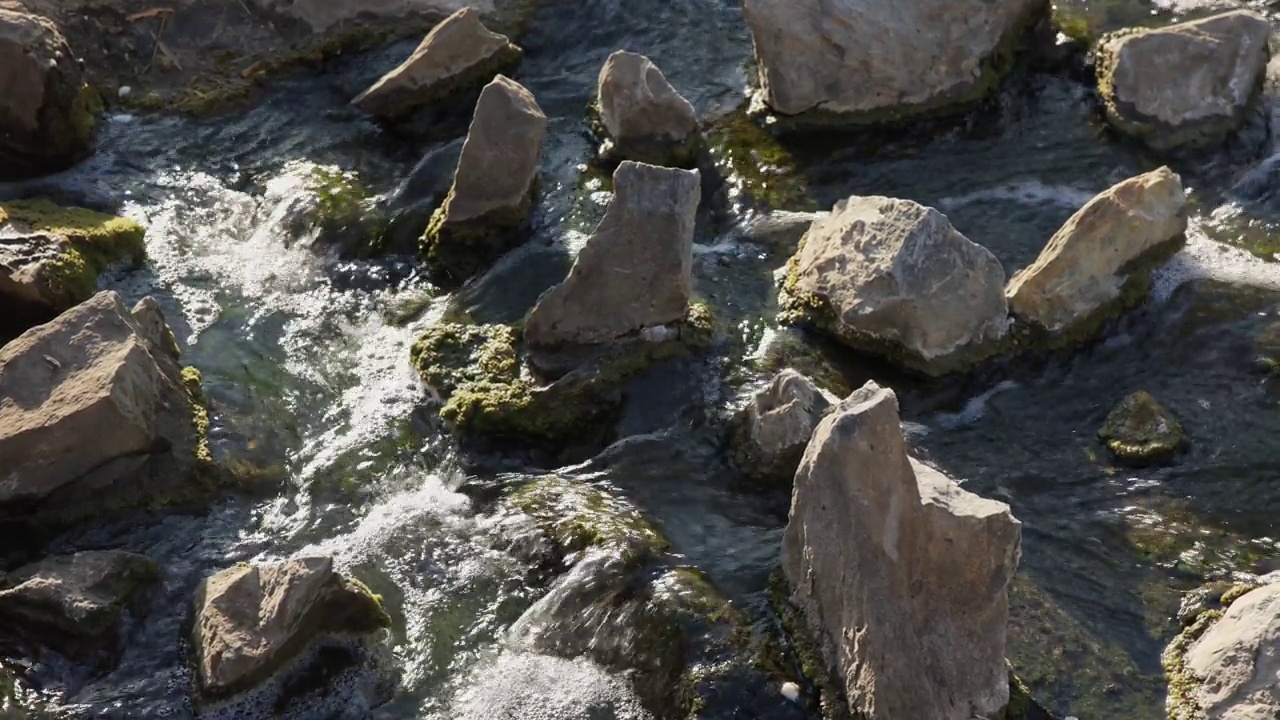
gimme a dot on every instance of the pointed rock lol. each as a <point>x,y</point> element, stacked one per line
<point>642,116</point>
<point>635,272</point>
<point>903,576</point>
<point>1097,263</point>
<point>493,185</point>
<point>458,55</point>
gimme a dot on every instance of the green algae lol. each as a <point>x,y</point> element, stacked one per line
<point>575,516</point>
<point>193,383</point>
<point>451,355</point>
<point>1141,430</point>
<point>457,251</point>
<point>756,166</point>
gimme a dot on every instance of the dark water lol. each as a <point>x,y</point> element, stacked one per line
<point>312,385</point>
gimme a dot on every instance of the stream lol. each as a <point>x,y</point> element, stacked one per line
<point>307,368</point>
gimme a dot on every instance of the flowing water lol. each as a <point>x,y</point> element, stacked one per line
<point>311,384</point>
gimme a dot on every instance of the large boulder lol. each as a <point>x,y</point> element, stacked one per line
<point>1226,665</point>
<point>775,427</point>
<point>1097,262</point>
<point>902,575</point>
<point>894,278</point>
<point>878,60</point>
<point>254,621</point>
<point>48,114</point>
<point>641,116</point>
<point>1186,84</point>
<point>68,602</point>
<point>457,55</point>
<point>97,415</point>
<point>636,270</point>
<point>493,186</point>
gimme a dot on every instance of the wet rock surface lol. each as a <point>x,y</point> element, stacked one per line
<point>775,427</point>
<point>894,278</point>
<point>1140,429</point>
<point>884,553</point>
<point>1186,84</point>
<point>642,116</point>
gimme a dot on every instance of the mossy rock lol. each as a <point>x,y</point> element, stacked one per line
<point>451,355</point>
<point>1141,430</point>
<point>457,251</point>
<point>758,169</point>
<point>193,381</point>
<point>95,241</point>
<point>344,215</point>
<point>575,516</point>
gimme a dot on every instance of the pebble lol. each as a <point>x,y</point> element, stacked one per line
<point>791,691</point>
<point>124,91</point>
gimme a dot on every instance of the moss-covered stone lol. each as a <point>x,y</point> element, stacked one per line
<point>457,251</point>
<point>1141,430</point>
<point>758,170</point>
<point>193,381</point>
<point>1182,703</point>
<point>451,355</point>
<point>95,241</point>
<point>575,516</point>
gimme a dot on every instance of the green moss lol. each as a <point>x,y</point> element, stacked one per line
<point>343,214</point>
<point>70,278</point>
<point>576,516</point>
<point>808,651</point>
<point>194,384</point>
<point>1183,684</point>
<point>757,168</point>
<point>1075,24</point>
<point>100,238</point>
<point>1139,429</point>
<point>451,355</point>
<point>369,613</point>
<point>456,251</point>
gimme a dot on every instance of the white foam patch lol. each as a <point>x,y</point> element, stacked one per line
<point>1206,258</point>
<point>540,687</point>
<point>974,410</point>
<point>1031,192</point>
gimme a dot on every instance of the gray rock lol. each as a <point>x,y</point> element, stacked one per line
<point>252,621</point>
<point>31,287</point>
<point>458,54</point>
<point>67,600</point>
<point>1140,429</point>
<point>878,60</point>
<point>48,115</point>
<point>95,416</point>
<point>1185,84</point>
<point>636,270</point>
<point>902,575</point>
<point>493,185</point>
<point>775,426</point>
<point>894,278</point>
<point>1237,661</point>
<point>1096,262</point>
<point>643,117</point>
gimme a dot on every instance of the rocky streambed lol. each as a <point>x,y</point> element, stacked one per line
<point>580,360</point>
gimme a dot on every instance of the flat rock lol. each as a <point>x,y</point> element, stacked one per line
<point>251,621</point>
<point>902,575</point>
<point>95,414</point>
<point>1185,84</point>
<point>876,60</point>
<point>1140,429</point>
<point>458,54</point>
<point>642,116</point>
<point>636,270</point>
<point>1085,270</point>
<point>493,185</point>
<point>79,597</point>
<point>894,278</point>
<point>48,114</point>
<point>775,427</point>
<point>1237,661</point>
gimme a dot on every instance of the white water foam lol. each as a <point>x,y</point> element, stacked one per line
<point>540,687</point>
<point>1030,192</point>
<point>1206,258</point>
<point>974,410</point>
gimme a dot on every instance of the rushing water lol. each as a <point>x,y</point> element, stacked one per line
<point>311,384</point>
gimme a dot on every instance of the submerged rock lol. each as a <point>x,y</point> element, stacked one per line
<point>458,55</point>
<point>48,115</point>
<point>96,415</point>
<point>1140,429</point>
<point>636,270</point>
<point>1226,664</point>
<point>881,60</point>
<point>642,117</point>
<point>775,427</point>
<point>66,602</point>
<point>903,576</point>
<point>493,186</point>
<point>252,621</point>
<point>1098,263</point>
<point>894,278</point>
<point>1185,84</point>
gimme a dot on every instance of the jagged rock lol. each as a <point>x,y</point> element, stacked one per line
<point>902,575</point>
<point>66,601</point>
<point>894,278</point>
<point>1226,664</point>
<point>775,426</point>
<point>642,117</point>
<point>493,186</point>
<point>457,55</point>
<point>1140,429</point>
<point>1097,263</point>
<point>253,621</point>
<point>1185,84</point>
<point>96,415</point>
<point>48,115</point>
<point>879,60</point>
<point>636,270</point>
